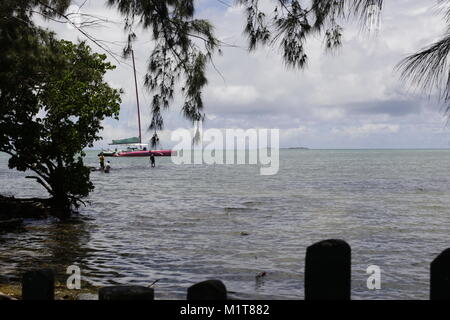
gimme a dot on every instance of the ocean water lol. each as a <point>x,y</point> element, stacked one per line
<point>181,224</point>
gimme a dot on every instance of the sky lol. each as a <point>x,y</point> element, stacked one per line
<point>353,98</point>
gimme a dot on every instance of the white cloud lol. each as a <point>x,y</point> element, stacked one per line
<point>368,129</point>
<point>355,93</point>
<point>234,95</point>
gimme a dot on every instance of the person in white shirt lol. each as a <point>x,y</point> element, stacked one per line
<point>107,167</point>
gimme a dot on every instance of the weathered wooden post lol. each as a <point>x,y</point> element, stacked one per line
<point>126,293</point>
<point>207,290</point>
<point>328,271</point>
<point>440,276</point>
<point>38,285</point>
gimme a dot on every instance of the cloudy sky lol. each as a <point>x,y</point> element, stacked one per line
<point>352,99</point>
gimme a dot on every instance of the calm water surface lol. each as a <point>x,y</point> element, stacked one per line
<point>183,224</point>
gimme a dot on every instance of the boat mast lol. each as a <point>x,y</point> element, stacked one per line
<point>137,98</point>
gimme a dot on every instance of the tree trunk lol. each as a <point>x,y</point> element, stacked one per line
<point>61,201</point>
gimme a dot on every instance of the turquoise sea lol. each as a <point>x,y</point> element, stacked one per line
<point>186,223</point>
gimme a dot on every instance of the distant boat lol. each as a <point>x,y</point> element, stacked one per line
<point>143,153</point>
<point>133,147</point>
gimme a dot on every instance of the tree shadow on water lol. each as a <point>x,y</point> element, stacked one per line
<point>51,243</point>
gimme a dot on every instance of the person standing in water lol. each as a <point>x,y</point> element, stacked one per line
<point>101,158</point>
<point>107,167</point>
<point>152,160</point>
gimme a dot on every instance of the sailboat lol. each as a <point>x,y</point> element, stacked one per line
<point>134,146</point>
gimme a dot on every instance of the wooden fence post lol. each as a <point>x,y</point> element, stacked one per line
<point>440,276</point>
<point>328,271</point>
<point>38,285</point>
<point>207,290</point>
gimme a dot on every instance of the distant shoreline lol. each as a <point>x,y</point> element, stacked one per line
<point>325,149</point>
<point>356,149</point>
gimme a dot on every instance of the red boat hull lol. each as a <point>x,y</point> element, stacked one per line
<point>156,153</point>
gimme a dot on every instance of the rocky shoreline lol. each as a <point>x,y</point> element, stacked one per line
<point>13,213</point>
<point>13,291</point>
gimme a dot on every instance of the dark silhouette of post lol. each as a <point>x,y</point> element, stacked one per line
<point>207,290</point>
<point>440,276</point>
<point>38,285</point>
<point>328,271</point>
<point>126,293</point>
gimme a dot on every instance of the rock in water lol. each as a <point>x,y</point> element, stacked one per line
<point>207,290</point>
<point>10,224</point>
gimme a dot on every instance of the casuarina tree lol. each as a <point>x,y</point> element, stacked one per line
<point>183,45</point>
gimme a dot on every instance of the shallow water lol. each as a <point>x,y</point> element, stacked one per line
<point>186,223</point>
